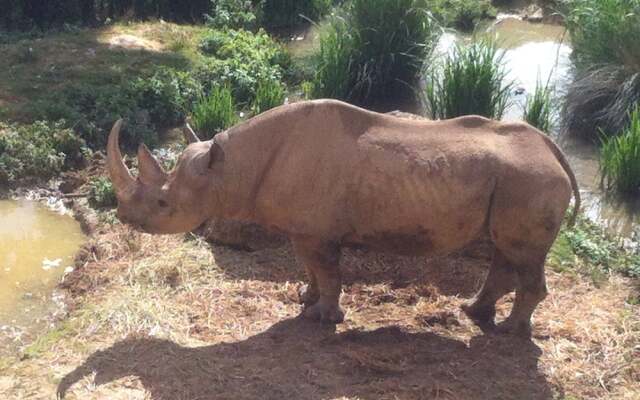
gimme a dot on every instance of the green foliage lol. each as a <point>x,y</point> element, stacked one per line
<point>588,249</point>
<point>269,94</point>
<point>288,13</point>
<point>214,113</point>
<point>620,158</point>
<point>146,104</point>
<point>462,14</point>
<point>607,55</point>
<point>38,150</point>
<point>232,14</point>
<point>605,31</point>
<point>239,60</point>
<point>472,80</point>
<point>102,193</point>
<point>537,110</point>
<point>373,51</point>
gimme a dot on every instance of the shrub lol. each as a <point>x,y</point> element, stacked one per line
<point>607,56</point>
<point>239,60</point>
<point>39,150</point>
<point>472,80</point>
<point>375,50</point>
<point>287,13</point>
<point>102,193</point>
<point>620,158</point>
<point>537,109</point>
<point>146,104</point>
<point>269,94</point>
<point>214,113</point>
<point>232,14</point>
<point>462,14</point>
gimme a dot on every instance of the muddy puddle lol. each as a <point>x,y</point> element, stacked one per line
<point>534,52</point>
<point>37,246</point>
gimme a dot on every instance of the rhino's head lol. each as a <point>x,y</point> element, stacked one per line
<point>158,201</point>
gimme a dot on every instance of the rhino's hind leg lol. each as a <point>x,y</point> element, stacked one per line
<point>532,289</point>
<point>500,280</point>
<point>322,262</point>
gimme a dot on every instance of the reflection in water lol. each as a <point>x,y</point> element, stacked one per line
<point>36,245</point>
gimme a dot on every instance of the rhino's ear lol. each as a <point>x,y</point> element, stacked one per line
<point>216,153</point>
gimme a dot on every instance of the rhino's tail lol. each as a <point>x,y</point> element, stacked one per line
<point>562,159</point>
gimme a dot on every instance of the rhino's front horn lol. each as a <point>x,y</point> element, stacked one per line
<point>189,134</point>
<point>151,172</point>
<point>122,180</point>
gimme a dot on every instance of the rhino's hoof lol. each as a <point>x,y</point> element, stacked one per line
<point>516,328</point>
<point>481,316</point>
<point>308,296</point>
<point>324,313</point>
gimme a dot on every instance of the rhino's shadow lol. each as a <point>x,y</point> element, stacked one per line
<point>459,274</point>
<point>295,359</point>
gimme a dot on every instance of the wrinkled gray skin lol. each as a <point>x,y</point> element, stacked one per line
<point>330,175</point>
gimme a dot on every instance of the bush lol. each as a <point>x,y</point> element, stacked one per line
<point>472,80</point>
<point>620,158</point>
<point>163,99</point>
<point>607,56</point>
<point>375,50</point>
<point>462,14</point>
<point>102,193</point>
<point>537,110</point>
<point>288,13</point>
<point>40,150</point>
<point>239,60</point>
<point>232,14</point>
<point>214,113</point>
<point>269,94</point>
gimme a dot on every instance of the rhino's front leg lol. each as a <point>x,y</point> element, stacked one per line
<point>322,261</point>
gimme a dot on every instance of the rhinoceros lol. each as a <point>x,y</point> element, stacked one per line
<point>331,175</point>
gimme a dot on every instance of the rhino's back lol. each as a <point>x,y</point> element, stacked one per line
<point>369,178</point>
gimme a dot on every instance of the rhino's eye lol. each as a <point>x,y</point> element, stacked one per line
<point>162,203</point>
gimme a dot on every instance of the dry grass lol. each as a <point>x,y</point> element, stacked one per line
<point>164,317</point>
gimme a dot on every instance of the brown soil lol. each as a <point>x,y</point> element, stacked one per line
<point>228,329</point>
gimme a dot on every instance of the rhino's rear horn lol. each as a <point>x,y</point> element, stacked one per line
<point>151,172</point>
<point>189,134</point>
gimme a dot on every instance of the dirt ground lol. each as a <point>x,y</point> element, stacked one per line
<point>169,317</point>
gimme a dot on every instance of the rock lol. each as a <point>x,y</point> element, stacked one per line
<point>240,235</point>
<point>533,13</point>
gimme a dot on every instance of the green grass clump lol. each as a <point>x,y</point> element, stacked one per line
<point>37,151</point>
<point>462,14</point>
<point>269,94</point>
<point>620,158</point>
<point>214,112</point>
<point>606,52</point>
<point>537,110</point>
<point>101,193</point>
<point>471,80</point>
<point>375,49</point>
<point>604,31</point>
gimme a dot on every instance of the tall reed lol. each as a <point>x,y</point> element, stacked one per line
<point>471,80</point>
<point>620,158</point>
